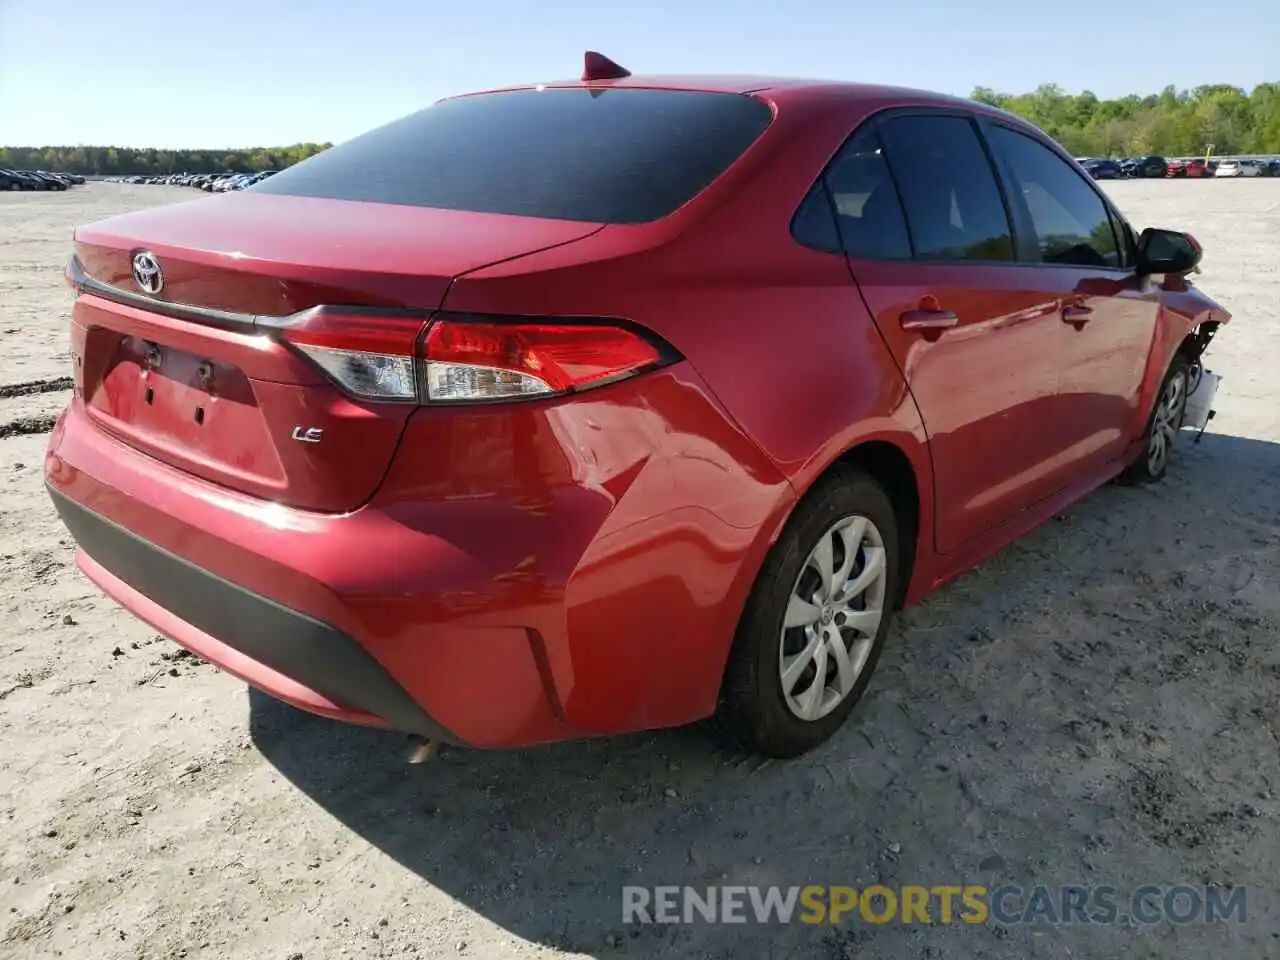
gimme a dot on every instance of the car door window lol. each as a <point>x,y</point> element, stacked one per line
<point>855,205</point>
<point>1071,221</point>
<point>1126,240</point>
<point>953,204</point>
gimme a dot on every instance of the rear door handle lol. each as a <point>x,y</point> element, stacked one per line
<point>1076,314</point>
<point>928,320</point>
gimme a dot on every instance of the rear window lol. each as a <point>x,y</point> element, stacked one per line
<point>601,156</point>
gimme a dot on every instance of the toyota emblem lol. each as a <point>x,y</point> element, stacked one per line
<point>146,272</point>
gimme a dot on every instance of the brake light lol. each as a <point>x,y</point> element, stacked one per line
<point>479,360</point>
<point>384,357</point>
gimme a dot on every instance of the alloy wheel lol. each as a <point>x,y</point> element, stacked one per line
<point>832,618</point>
<point>1166,422</point>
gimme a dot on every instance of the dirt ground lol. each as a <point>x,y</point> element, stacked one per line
<point>1098,705</point>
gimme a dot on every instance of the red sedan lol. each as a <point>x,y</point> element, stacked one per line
<point>609,404</point>
<point>1194,169</point>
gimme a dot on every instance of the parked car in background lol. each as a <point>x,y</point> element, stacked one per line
<point>44,181</point>
<point>1245,167</point>
<point>250,180</point>
<point>30,181</point>
<point>655,407</point>
<point>12,180</point>
<point>1145,167</point>
<point>33,181</point>
<point>61,178</point>
<point>208,182</point>
<point>1269,168</point>
<point>231,183</point>
<point>1102,169</point>
<point>1193,169</point>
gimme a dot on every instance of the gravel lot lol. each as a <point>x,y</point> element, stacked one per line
<point>1098,705</point>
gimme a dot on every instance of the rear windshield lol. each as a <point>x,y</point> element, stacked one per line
<point>601,156</point>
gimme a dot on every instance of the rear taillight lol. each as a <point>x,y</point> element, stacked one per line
<point>469,359</point>
<point>372,356</point>
<point>479,359</point>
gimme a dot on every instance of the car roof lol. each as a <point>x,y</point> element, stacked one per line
<point>777,88</point>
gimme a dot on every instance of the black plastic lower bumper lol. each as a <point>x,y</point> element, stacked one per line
<point>312,653</point>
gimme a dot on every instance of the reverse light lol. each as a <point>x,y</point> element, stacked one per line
<point>373,376</point>
<point>477,360</point>
<point>371,357</point>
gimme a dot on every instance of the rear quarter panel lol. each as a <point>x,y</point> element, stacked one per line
<point>777,332</point>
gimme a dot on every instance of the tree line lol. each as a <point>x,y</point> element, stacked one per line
<point>1170,123</point>
<point>130,161</point>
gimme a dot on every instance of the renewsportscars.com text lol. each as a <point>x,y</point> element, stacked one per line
<point>939,904</point>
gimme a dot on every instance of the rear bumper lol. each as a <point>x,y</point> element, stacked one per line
<point>288,654</point>
<point>339,615</point>
<point>525,575</point>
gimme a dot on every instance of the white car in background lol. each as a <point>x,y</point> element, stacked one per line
<point>1236,168</point>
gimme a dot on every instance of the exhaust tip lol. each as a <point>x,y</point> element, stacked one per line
<point>422,750</point>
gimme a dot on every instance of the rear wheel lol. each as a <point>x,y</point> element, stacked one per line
<point>816,621</point>
<point>1162,428</point>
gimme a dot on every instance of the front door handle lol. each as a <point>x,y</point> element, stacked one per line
<point>928,320</point>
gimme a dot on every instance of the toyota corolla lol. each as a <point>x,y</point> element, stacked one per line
<point>610,404</point>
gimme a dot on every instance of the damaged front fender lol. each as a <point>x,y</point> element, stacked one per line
<point>1188,321</point>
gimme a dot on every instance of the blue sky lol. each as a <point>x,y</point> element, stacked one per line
<point>172,74</point>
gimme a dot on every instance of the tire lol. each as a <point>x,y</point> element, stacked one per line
<point>1166,419</point>
<point>754,711</point>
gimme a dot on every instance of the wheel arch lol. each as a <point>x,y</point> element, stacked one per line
<point>899,463</point>
<point>891,468</point>
<point>1186,325</point>
<point>1197,340</point>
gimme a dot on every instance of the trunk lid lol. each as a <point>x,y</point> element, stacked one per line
<point>270,255</point>
<point>187,373</point>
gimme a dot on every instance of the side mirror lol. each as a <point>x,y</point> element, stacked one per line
<point>1167,251</point>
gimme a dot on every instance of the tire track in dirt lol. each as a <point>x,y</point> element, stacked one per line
<point>28,425</point>
<point>30,387</point>
<point>37,422</point>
